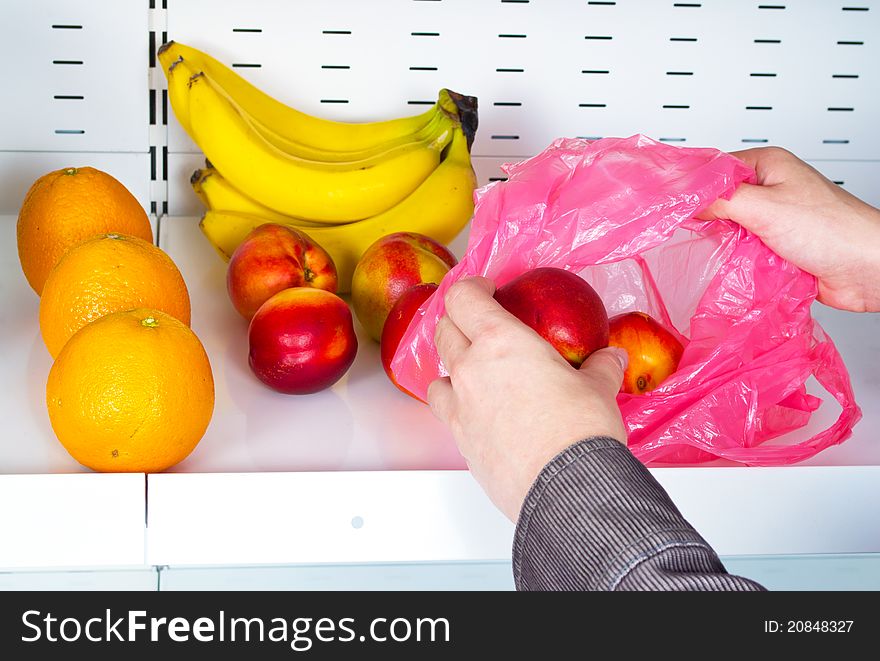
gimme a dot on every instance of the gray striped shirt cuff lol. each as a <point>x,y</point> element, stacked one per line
<point>596,519</point>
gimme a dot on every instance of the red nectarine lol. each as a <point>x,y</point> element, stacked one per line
<point>398,321</point>
<point>562,307</point>
<point>302,340</point>
<point>273,257</point>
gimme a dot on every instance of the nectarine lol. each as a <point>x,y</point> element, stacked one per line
<point>271,258</point>
<point>561,307</point>
<point>654,352</point>
<point>388,268</point>
<point>302,340</point>
<point>398,321</point>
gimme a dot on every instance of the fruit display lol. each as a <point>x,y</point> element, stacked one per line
<point>131,387</point>
<point>291,333</point>
<point>302,209</point>
<point>344,184</point>
<point>439,208</point>
<point>561,307</point>
<point>271,258</point>
<point>108,273</point>
<point>388,268</point>
<point>67,206</point>
<point>399,319</point>
<point>302,340</point>
<point>131,392</point>
<point>295,201</point>
<point>654,352</point>
<point>333,192</point>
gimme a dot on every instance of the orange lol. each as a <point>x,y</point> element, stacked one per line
<point>104,274</point>
<point>67,206</point>
<point>131,392</point>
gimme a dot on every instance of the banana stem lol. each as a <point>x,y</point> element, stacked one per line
<point>467,114</point>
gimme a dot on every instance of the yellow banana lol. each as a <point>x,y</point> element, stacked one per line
<point>217,194</point>
<point>178,92</point>
<point>360,160</point>
<point>298,126</point>
<point>382,150</point>
<point>182,68</point>
<point>180,81</point>
<point>330,192</point>
<point>440,207</point>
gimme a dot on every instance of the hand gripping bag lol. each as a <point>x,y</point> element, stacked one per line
<point>619,212</point>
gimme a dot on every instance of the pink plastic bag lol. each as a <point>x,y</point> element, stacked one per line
<point>619,213</point>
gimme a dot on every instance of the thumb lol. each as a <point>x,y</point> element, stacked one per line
<point>606,367</point>
<point>747,206</point>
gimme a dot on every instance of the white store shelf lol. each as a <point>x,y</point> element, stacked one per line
<point>327,517</point>
<point>362,423</point>
<point>790,572</point>
<point>69,520</point>
<point>574,68</point>
<point>729,75</point>
<point>279,479</point>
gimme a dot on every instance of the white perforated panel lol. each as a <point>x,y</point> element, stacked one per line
<point>76,92</point>
<point>75,75</point>
<point>730,74</point>
<point>726,73</point>
<point>721,73</point>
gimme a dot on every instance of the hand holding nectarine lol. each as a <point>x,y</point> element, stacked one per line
<point>511,400</point>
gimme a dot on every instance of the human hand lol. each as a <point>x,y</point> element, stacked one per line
<point>512,402</point>
<point>811,222</point>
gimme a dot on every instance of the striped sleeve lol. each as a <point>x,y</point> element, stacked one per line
<point>596,519</point>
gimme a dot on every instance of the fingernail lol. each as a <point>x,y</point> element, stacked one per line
<point>621,356</point>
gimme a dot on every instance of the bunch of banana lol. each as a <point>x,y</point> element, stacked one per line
<point>321,134</point>
<point>215,192</point>
<point>344,184</point>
